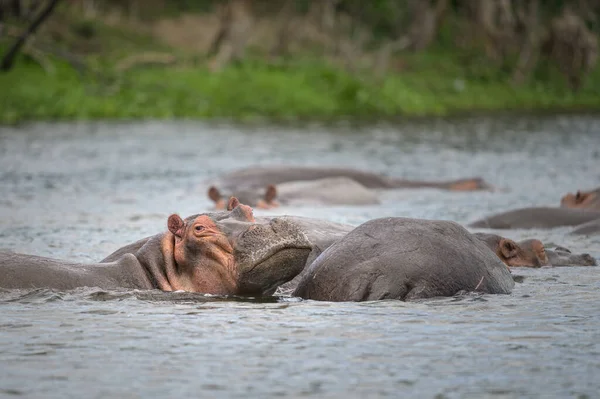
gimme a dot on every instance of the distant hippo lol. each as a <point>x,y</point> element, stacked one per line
<point>582,200</point>
<point>531,253</point>
<point>261,183</point>
<point>218,253</point>
<point>589,228</point>
<point>328,191</point>
<point>406,259</point>
<point>561,256</point>
<point>542,217</point>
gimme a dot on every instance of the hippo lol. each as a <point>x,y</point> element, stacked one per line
<point>582,200</point>
<point>259,185</point>
<point>532,253</point>
<point>327,191</point>
<point>561,256</point>
<point>319,233</point>
<point>223,253</point>
<point>406,259</point>
<point>540,217</point>
<point>589,228</point>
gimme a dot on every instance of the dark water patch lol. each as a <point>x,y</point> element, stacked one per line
<point>101,312</point>
<point>12,392</point>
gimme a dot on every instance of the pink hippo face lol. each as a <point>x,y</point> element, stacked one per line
<point>582,200</point>
<point>229,253</point>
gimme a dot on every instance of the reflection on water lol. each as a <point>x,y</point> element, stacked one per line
<point>79,191</point>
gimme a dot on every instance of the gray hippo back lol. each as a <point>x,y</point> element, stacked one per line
<point>401,258</point>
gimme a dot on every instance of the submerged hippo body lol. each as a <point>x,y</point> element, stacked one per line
<point>400,258</point>
<point>542,217</point>
<point>29,271</point>
<point>589,228</point>
<point>260,185</point>
<point>582,200</point>
<point>560,256</point>
<point>531,253</point>
<point>227,253</point>
<point>327,191</point>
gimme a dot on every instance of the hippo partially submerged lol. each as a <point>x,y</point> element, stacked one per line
<point>532,253</point>
<point>401,258</point>
<point>218,253</point>
<point>582,200</point>
<point>540,217</point>
<point>259,186</point>
<point>589,228</point>
<point>330,191</point>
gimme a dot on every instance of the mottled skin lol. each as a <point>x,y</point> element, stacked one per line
<point>259,186</point>
<point>531,253</point>
<point>540,217</point>
<point>218,253</point>
<point>582,200</point>
<point>401,258</point>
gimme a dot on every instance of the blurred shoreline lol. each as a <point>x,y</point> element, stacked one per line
<point>106,66</point>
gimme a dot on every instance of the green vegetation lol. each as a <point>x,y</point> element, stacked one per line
<point>434,85</point>
<point>439,80</point>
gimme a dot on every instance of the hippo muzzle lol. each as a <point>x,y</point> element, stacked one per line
<point>268,255</point>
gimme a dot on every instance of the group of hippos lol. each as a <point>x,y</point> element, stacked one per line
<point>229,251</point>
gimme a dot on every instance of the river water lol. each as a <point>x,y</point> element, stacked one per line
<point>80,191</point>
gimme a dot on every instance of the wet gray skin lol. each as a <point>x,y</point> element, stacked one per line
<point>407,259</point>
<point>588,229</point>
<point>539,217</point>
<point>237,256</point>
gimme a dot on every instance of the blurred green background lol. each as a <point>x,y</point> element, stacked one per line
<point>294,60</point>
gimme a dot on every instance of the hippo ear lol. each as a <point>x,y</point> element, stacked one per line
<point>270,194</point>
<point>562,249</point>
<point>508,248</point>
<point>578,196</point>
<point>232,204</point>
<point>214,194</point>
<point>176,225</point>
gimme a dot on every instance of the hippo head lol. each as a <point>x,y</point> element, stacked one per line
<point>229,253</point>
<point>561,256</point>
<point>582,200</point>
<point>260,200</point>
<point>527,253</point>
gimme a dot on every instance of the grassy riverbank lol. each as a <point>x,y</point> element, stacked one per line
<point>432,83</point>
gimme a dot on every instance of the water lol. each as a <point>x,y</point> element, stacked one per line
<point>80,191</point>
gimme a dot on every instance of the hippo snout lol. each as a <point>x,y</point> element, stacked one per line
<point>588,260</point>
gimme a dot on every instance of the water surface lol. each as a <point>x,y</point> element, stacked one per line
<point>80,191</point>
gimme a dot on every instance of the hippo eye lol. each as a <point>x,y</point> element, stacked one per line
<point>199,228</point>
